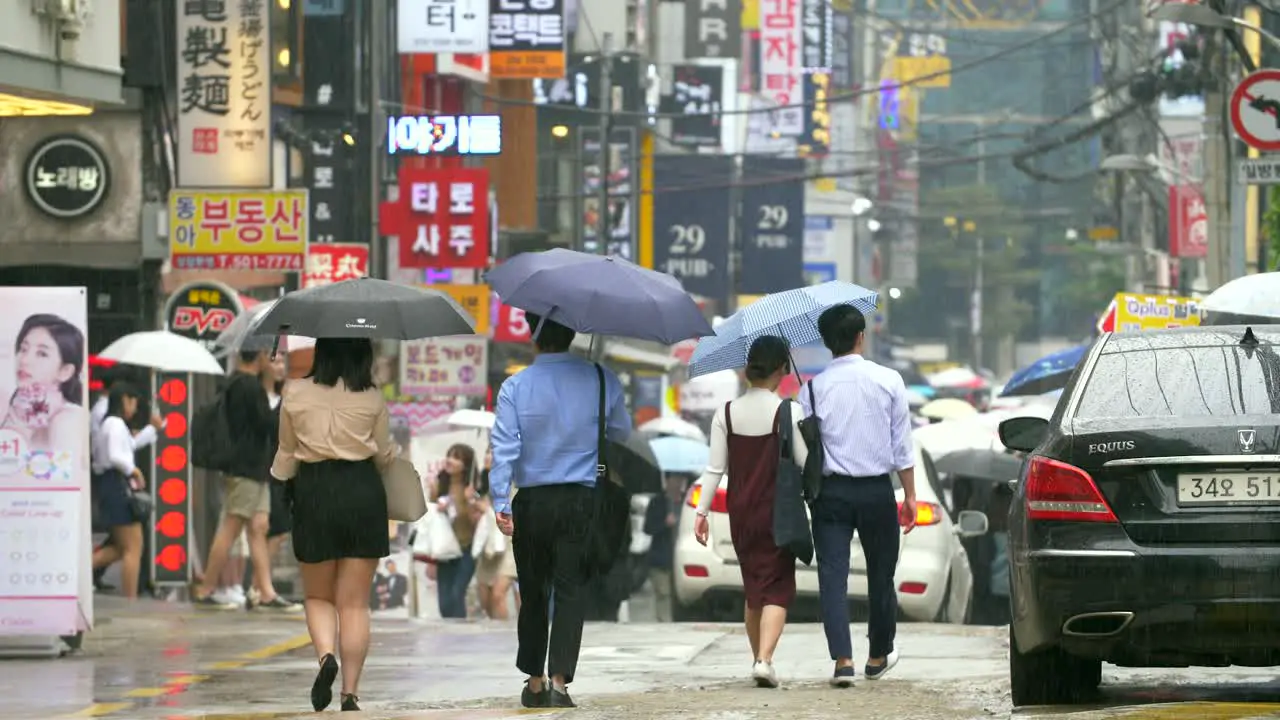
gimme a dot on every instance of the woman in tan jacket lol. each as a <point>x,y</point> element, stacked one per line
<point>335,441</point>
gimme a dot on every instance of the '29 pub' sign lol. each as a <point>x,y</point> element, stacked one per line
<point>67,177</point>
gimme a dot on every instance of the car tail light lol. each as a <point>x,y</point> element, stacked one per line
<point>1058,491</point>
<point>719,504</point>
<point>927,513</point>
<point>913,588</point>
<point>696,571</point>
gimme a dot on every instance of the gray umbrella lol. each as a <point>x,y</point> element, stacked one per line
<point>599,294</point>
<point>366,308</point>
<point>980,463</point>
<point>237,336</point>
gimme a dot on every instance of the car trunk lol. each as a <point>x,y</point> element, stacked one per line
<point>1194,480</point>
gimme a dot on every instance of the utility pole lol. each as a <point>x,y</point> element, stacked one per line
<point>376,48</point>
<point>1216,175</point>
<point>606,108</point>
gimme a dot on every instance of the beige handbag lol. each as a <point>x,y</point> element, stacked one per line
<point>405,499</point>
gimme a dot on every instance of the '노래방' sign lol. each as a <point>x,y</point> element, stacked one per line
<point>442,26</point>
<point>67,177</point>
<point>335,262</point>
<point>224,94</point>
<point>441,219</point>
<point>250,230</point>
<point>444,134</point>
<point>526,39</point>
<point>436,367</point>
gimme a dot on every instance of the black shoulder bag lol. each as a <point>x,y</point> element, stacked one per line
<point>790,523</point>
<point>811,431</point>
<point>609,533</point>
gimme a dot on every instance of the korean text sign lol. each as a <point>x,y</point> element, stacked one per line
<point>509,323</point>
<point>441,219</point>
<point>328,264</point>
<point>264,230</point>
<point>224,94</point>
<point>691,221</point>
<point>442,26</point>
<point>444,366</point>
<point>1188,222</point>
<point>449,135</point>
<point>781,39</point>
<point>474,299</point>
<point>772,223</point>
<point>526,39</point>
<point>1154,312</point>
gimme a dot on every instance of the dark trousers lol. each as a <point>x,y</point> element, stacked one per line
<point>452,579</point>
<point>550,534</point>
<point>867,506</point>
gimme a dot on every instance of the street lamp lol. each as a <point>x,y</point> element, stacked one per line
<point>1205,16</point>
<point>861,206</point>
<point>873,225</point>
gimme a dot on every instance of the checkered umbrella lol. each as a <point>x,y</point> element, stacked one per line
<point>792,315</point>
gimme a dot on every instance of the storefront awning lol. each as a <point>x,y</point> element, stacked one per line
<point>623,351</point>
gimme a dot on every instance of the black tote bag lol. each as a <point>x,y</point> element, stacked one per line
<point>811,431</point>
<point>790,523</point>
<point>609,533</point>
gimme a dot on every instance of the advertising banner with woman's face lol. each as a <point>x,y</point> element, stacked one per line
<point>45,584</point>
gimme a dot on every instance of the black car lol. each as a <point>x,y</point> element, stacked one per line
<point>1145,526</point>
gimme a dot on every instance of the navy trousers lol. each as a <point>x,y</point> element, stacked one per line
<point>868,506</point>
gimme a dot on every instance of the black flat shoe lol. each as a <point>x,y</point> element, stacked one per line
<point>539,699</point>
<point>561,699</point>
<point>349,703</point>
<point>322,688</point>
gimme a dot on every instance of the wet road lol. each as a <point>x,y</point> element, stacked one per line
<point>167,661</point>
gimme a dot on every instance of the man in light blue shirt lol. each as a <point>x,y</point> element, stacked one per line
<point>544,444</point>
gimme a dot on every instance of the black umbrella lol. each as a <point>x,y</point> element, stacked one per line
<point>366,308</point>
<point>987,464</point>
<point>633,460</point>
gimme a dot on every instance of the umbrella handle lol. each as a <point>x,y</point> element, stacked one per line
<point>795,370</point>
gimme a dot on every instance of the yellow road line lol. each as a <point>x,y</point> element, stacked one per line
<point>100,709</point>
<point>279,648</point>
<point>1202,711</point>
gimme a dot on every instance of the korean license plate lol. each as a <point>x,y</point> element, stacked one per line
<point>1224,488</point>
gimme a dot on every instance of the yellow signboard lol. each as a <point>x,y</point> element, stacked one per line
<point>927,71</point>
<point>1135,312</point>
<point>241,230</point>
<point>475,299</point>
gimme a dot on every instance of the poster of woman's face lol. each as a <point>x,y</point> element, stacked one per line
<point>44,426</point>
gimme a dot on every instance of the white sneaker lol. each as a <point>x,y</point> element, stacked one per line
<point>875,672</point>
<point>762,672</point>
<point>238,595</point>
<point>226,596</point>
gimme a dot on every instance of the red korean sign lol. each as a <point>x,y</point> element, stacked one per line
<point>509,324</point>
<point>335,262</point>
<point>441,219</point>
<point>1188,222</point>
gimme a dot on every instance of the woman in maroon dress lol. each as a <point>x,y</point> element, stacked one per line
<point>744,445</point>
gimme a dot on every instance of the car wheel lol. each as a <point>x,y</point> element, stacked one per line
<point>1050,677</point>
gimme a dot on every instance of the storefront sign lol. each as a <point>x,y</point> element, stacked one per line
<point>623,170</point>
<point>691,221</point>
<point>201,310</point>
<point>67,177</point>
<point>526,39</point>
<point>441,219</point>
<point>170,524</point>
<point>772,224</point>
<point>442,26</point>
<point>579,91</point>
<point>264,230</point>
<point>713,28</point>
<point>781,74</point>
<point>44,464</point>
<point>475,299</point>
<point>815,28</point>
<point>444,366</point>
<point>1188,222</point>
<point>328,264</point>
<point>921,61</point>
<point>695,96</point>
<point>224,95</point>
<point>1130,312</point>
<point>842,50</point>
<point>445,135</point>
<point>327,173</point>
<point>509,323</point>
<point>816,140</point>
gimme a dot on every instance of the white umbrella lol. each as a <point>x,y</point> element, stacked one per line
<point>477,420</point>
<point>674,426</point>
<point>1256,295</point>
<point>238,334</point>
<point>163,351</point>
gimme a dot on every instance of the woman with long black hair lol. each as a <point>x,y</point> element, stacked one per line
<point>455,495</point>
<point>114,481</point>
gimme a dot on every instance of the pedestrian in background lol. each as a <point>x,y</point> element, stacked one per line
<point>545,443</point>
<point>496,571</point>
<point>866,435</point>
<point>745,444</point>
<point>335,442</point>
<point>455,496</point>
<point>661,519</point>
<point>115,478</point>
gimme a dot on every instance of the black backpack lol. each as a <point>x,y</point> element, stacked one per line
<point>212,446</point>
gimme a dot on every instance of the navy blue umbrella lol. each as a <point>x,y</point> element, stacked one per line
<point>599,294</point>
<point>1049,373</point>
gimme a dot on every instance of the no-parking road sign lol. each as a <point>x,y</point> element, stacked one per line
<point>1255,110</point>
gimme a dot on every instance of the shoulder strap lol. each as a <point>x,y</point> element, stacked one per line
<point>728,420</point>
<point>602,466</point>
<point>782,426</point>
<point>813,403</point>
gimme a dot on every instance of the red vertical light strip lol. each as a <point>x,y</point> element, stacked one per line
<point>171,482</point>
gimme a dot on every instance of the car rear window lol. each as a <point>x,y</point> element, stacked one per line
<point>1164,381</point>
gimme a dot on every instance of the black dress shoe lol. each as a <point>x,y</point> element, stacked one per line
<point>349,703</point>
<point>560,698</point>
<point>322,688</point>
<point>539,699</point>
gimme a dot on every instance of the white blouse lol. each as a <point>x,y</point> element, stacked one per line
<point>113,447</point>
<point>753,415</point>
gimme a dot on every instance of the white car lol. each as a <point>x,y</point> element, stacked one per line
<point>934,581</point>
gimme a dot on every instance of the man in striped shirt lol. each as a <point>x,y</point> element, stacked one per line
<point>866,435</point>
